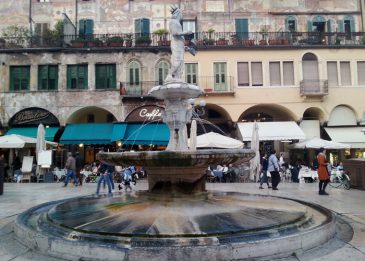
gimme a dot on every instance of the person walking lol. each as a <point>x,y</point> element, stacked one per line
<point>71,169</point>
<point>273,167</point>
<point>322,171</point>
<point>264,178</point>
<point>79,166</point>
<point>104,170</point>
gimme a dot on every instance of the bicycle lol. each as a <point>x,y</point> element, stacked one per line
<point>340,179</point>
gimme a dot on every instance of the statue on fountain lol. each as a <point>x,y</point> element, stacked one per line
<point>178,46</point>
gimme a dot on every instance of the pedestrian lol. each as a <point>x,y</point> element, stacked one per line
<point>323,176</point>
<point>273,167</point>
<point>264,178</point>
<point>17,167</point>
<point>70,166</point>
<point>104,170</point>
<point>79,166</point>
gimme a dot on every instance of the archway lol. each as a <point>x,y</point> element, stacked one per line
<point>91,114</point>
<point>342,115</point>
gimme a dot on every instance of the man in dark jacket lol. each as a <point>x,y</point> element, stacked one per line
<point>71,169</point>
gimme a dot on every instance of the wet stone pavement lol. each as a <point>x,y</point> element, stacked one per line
<point>349,205</point>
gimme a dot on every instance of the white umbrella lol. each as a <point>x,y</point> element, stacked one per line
<point>14,141</point>
<point>255,145</point>
<point>216,140</point>
<point>193,138</point>
<point>316,143</point>
<point>41,140</point>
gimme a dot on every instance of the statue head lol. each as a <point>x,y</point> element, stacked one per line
<point>176,12</point>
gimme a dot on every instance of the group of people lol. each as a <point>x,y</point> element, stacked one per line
<point>273,165</point>
<point>105,171</point>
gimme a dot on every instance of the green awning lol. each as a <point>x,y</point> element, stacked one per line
<point>118,131</point>
<point>32,132</point>
<point>90,133</point>
<point>147,134</point>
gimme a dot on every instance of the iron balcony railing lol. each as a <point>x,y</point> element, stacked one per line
<point>203,40</point>
<point>313,87</point>
<point>209,84</point>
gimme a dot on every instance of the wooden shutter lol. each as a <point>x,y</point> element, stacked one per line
<point>361,73</point>
<point>112,76</point>
<point>345,73</point>
<point>288,73</point>
<point>42,77</point>
<point>242,28</point>
<point>243,74</point>
<point>332,75</point>
<point>52,77</point>
<point>275,75</point>
<point>256,72</point>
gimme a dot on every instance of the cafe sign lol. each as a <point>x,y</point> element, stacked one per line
<point>146,113</point>
<point>33,117</point>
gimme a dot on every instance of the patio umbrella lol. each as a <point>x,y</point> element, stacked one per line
<point>216,140</point>
<point>255,145</point>
<point>41,139</point>
<point>193,138</point>
<point>316,143</point>
<point>14,141</point>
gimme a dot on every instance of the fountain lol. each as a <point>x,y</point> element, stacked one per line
<point>177,218</point>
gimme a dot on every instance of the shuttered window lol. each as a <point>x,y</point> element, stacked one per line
<point>19,78</point>
<point>47,77</point>
<point>105,76</point>
<point>332,75</point>
<point>288,73</point>
<point>361,73</point>
<point>191,71</point>
<point>275,74</point>
<point>77,76</point>
<point>243,74</point>
<point>345,73</point>
<point>161,71</point>
<point>256,71</point>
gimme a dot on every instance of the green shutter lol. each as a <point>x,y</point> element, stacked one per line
<point>352,25</point>
<point>341,26</point>
<point>82,23</point>
<point>112,76</point>
<point>242,28</point>
<point>137,26</point>
<point>42,77</point>
<point>26,79</point>
<point>136,76</point>
<point>97,77</point>
<point>145,26</point>
<point>52,77</point>
<point>309,26</point>
<point>89,27</point>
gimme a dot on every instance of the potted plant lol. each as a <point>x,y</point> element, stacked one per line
<point>143,41</point>
<point>78,43</point>
<point>210,40</point>
<point>264,33</point>
<point>128,40</point>
<point>162,37</point>
<point>115,41</point>
<point>222,41</point>
<point>94,42</point>
<point>235,39</point>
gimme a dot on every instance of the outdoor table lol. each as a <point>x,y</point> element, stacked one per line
<point>59,173</point>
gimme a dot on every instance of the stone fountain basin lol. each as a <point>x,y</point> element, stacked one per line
<point>175,90</point>
<point>175,172</point>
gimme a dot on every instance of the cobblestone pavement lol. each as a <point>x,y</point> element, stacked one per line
<point>347,204</point>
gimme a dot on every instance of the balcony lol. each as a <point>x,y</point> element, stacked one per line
<point>313,88</point>
<point>209,84</point>
<point>204,40</point>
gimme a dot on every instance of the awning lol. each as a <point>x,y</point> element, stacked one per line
<point>349,135</point>
<point>277,130</point>
<point>118,131</point>
<point>32,132</point>
<point>90,133</point>
<point>147,134</point>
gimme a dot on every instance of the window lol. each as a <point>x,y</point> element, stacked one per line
<point>47,77</point>
<point>361,73</point>
<point>189,25</point>
<point>288,73</point>
<point>243,74</point>
<point>291,24</point>
<point>77,76</point>
<point>161,71</point>
<point>105,76</point>
<point>275,74</point>
<point>332,74</point>
<point>86,28</point>
<point>345,73</point>
<point>220,76</point>
<point>134,78</point>
<point>19,78</point>
<point>256,74</point>
<point>142,26</point>
<point>191,71</point>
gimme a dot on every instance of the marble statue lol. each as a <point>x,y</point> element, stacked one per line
<point>178,46</point>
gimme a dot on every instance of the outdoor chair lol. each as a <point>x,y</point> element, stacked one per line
<point>27,168</point>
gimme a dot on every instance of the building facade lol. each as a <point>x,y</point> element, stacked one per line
<point>281,61</point>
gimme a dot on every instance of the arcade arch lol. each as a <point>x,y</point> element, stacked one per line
<point>91,114</point>
<point>342,115</point>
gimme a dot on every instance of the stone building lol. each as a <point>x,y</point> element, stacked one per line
<point>280,61</point>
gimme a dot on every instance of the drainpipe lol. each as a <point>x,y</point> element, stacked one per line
<point>76,11</point>
<point>30,16</point>
<point>362,10</point>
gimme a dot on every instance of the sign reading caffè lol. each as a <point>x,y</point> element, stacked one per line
<point>33,117</point>
<point>145,114</point>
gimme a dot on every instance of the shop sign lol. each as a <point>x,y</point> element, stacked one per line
<point>33,117</point>
<point>145,114</point>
